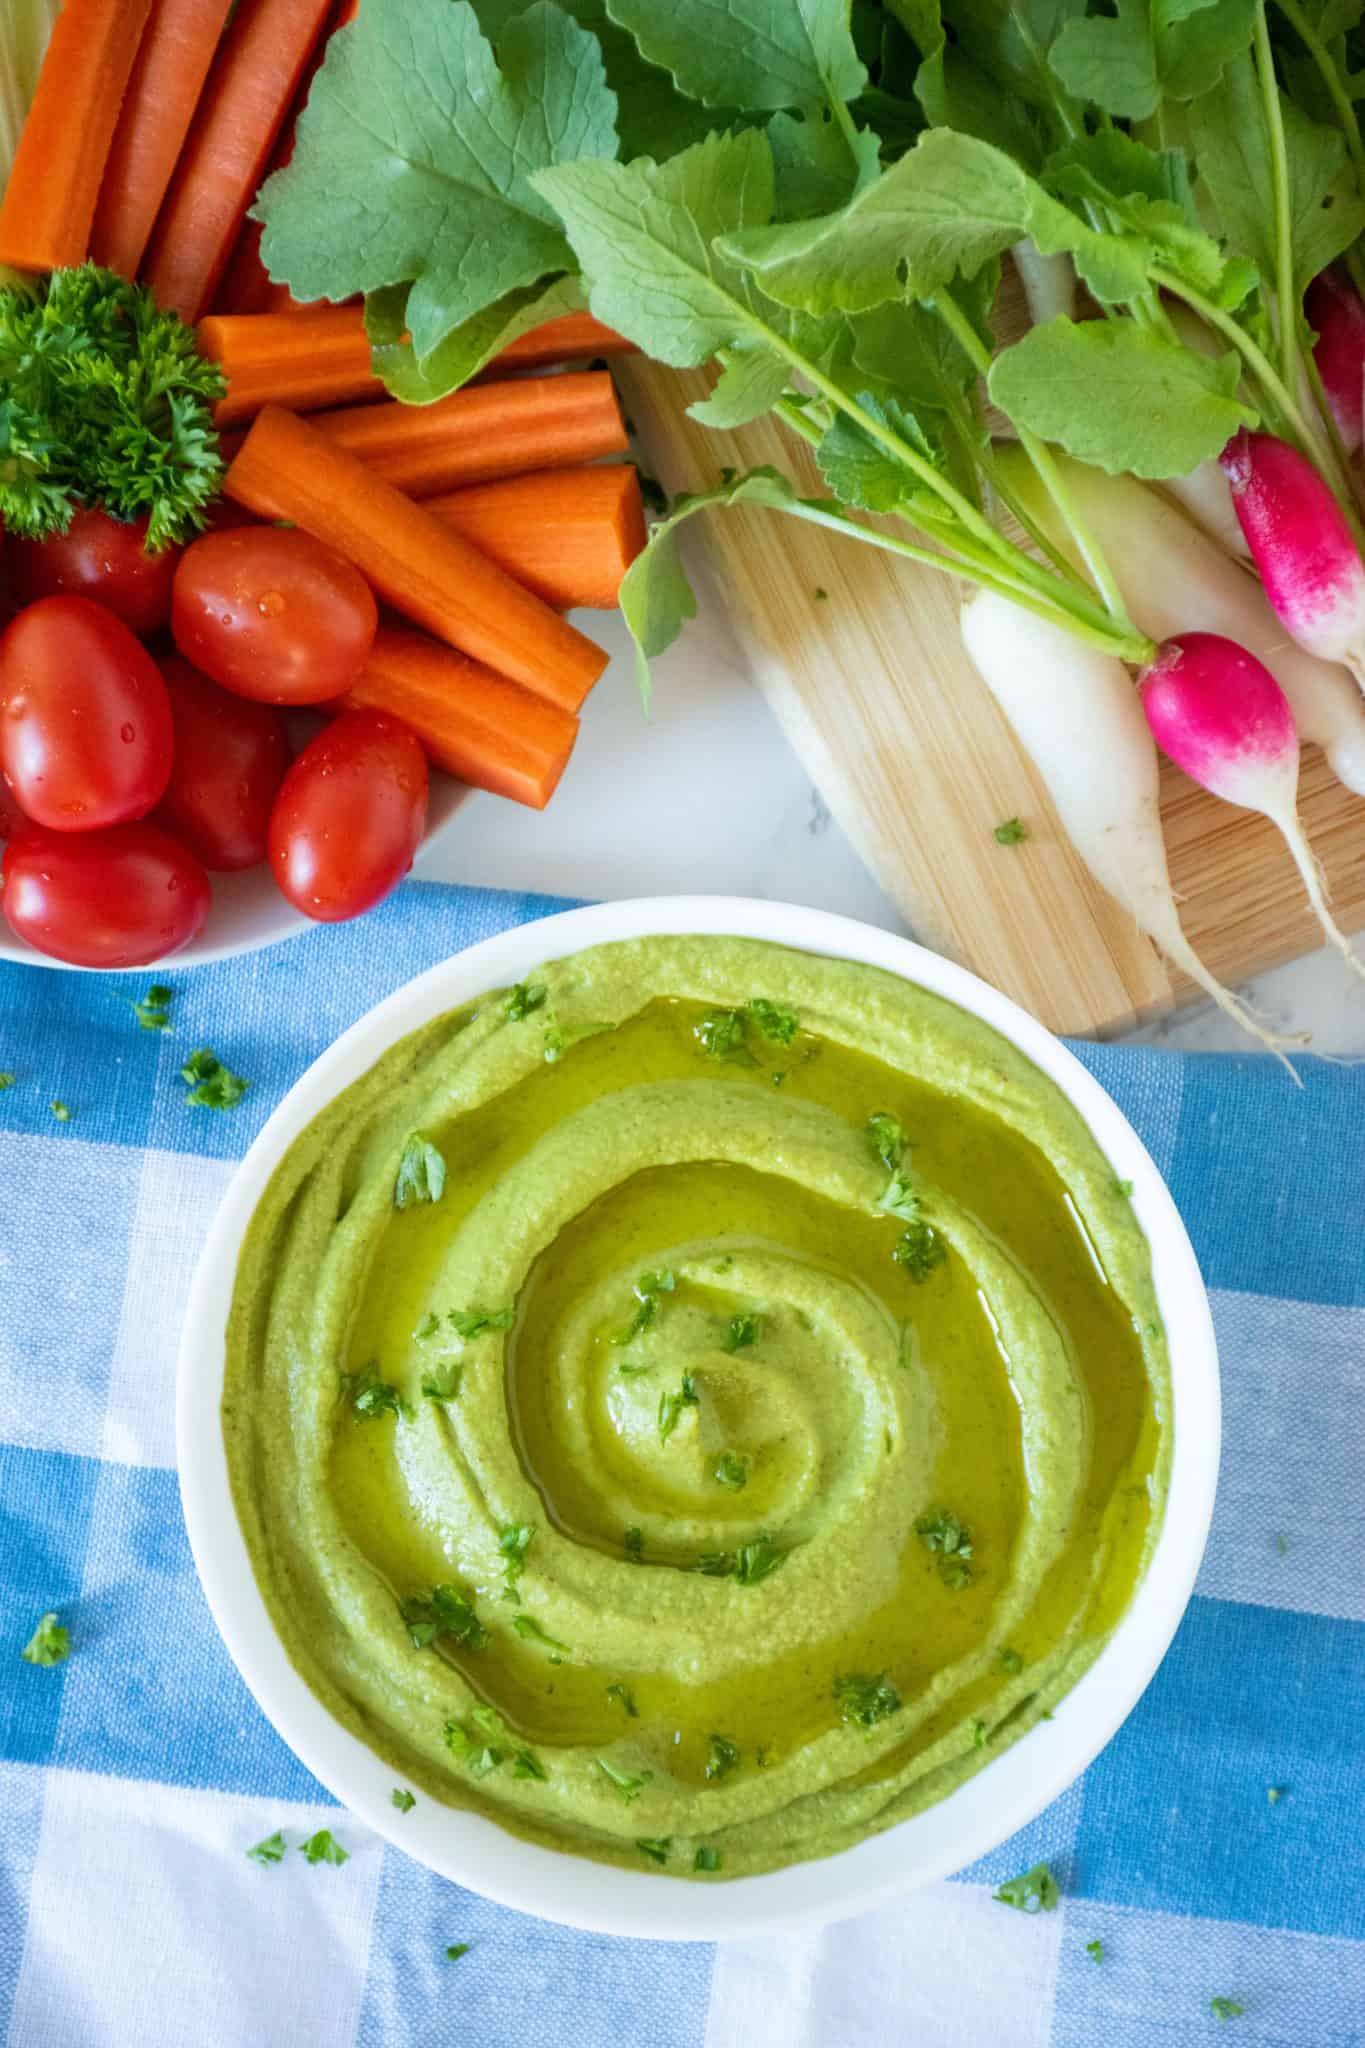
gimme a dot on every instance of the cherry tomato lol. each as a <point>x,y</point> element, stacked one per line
<point>102,558</point>
<point>12,819</point>
<point>85,721</point>
<point>272,613</point>
<point>350,816</point>
<point>230,758</point>
<point>118,898</point>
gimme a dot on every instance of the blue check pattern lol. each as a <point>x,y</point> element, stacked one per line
<point>134,1776</point>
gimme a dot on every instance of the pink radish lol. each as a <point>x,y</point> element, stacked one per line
<point>1308,562</point>
<point>1223,718</point>
<point>1337,317</point>
<point>1076,715</point>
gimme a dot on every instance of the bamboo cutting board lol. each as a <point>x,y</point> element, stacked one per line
<point>871,684</point>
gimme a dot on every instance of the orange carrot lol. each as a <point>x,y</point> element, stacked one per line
<point>250,91</point>
<point>473,723</point>
<point>484,431</point>
<point>315,357</point>
<point>49,202</point>
<point>286,469</point>
<point>173,61</point>
<point>568,534</point>
<point>559,341</point>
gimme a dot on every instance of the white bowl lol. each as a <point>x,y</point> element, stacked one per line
<point>973,1818</point>
<point>247,911</point>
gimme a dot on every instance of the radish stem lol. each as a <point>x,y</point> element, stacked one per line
<point>1331,79</point>
<point>1279,186</point>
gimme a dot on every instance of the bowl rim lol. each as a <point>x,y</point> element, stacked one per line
<point>978,1814</point>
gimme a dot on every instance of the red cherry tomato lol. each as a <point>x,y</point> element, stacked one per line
<point>230,758</point>
<point>102,558</point>
<point>350,816</point>
<point>85,722</point>
<point>12,819</point>
<point>272,613</point>
<point>118,898</point>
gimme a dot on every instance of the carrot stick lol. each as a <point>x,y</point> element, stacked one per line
<point>286,469</point>
<point>568,534</point>
<point>559,341</point>
<point>49,202</point>
<point>473,723</point>
<point>317,356</point>
<point>250,91</point>
<point>484,431</point>
<point>173,61</point>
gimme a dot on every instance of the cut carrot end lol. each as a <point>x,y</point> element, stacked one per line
<point>568,534</point>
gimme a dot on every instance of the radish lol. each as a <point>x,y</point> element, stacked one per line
<point>1205,496</point>
<point>1173,579</point>
<point>1049,282</point>
<point>1223,718</point>
<point>1301,545</point>
<point>1077,716</point>
<point>1337,317</point>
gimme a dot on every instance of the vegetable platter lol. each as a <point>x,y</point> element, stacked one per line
<point>263,623</point>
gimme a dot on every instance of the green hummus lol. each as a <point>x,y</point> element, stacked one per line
<point>757,1426</point>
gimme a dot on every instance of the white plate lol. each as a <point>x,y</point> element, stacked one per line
<point>978,1814</point>
<point>247,911</point>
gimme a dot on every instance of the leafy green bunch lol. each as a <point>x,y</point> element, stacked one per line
<point>816,199</point>
<point>104,400</point>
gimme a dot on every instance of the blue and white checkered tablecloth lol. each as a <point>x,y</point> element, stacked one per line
<point>134,1776</point>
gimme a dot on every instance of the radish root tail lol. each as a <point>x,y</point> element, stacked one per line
<point>1183,955</point>
<point>1310,868</point>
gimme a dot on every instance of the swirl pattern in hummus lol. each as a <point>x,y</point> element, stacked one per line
<point>764,1426</point>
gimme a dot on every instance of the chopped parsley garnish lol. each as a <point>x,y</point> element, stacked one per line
<point>1124,1188</point>
<point>445,1611</point>
<point>404,1801</point>
<point>525,997</point>
<point>211,1085</point>
<point>50,1643</point>
<point>456,1950</point>
<point>372,1397</point>
<point>7,1080</point>
<point>978,1734</point>
<point>1011,832</point>
<point>625,1699</point>
<point>1226,2008</point>
<point>1033,1891</point>
<point>918,1251</point>
<point>951,1542</point>
<point>899,1197</point>
<point>526,1764</point>
<point>634,1368</point>
<point>820,594</point>
<point>1281,1544</point>
<point>428,1326</point>
<point>530,1631</point>
<point>731,1469</point>
<point>648,1291</point>
<point>627,1785</point>
<point>478,1758</point>
<point>153,1013</point>
<point>421,1175</point>
<point>633,1543</point>
<point>742,1331</point>
<point>271,1850</point>
<point>1274,1794</point>
<point>514,1540</point>
<point>720,1035</point>
<point>1095,1950</point>
<point>1011,1662</point>
<point>723,1757</point>
<point>754,1561</point>
<point>656,1847</point>
<point>444,1385</point>
<point>60,1111</point>
<point>886,1134</point>
<point>714,1564</point>
<point>773,1021</point>
<point>468,1323</point>
<point>323,1847</point>
<point>706,1858</point>
<point>864,1699</point>
<point>671,1406</point>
